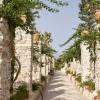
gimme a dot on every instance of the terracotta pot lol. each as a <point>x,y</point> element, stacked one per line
<point>36,37</point>
<point>84,33</point>
<point>96,98</point>
<point>23,18</point>
<point>97,15</point>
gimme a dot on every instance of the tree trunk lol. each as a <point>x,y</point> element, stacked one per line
<point>5,71</point>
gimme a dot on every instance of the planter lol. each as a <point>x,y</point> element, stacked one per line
<point>36,37</point>
<point>96,98</point>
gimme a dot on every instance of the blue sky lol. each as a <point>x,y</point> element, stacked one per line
<point>60,24</point>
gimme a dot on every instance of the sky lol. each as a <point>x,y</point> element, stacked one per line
<point>60,24</point>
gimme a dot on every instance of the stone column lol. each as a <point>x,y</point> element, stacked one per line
<point>23,53</point>
<point>85,61</point>
<point>97,67</point>
<point>37,68</point>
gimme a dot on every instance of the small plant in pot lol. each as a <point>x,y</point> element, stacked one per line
<point>78,79</point>
<point>51,72</point>
<point>43,79</point>
<point>35,85</point>
<point>74,74</point>
<point>21,93</point>
<point>89,85</point>
<point>67,72</point>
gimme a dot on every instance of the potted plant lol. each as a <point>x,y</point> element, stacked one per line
<point>78,79</point>
<point>67,72</point>
<point>43,80</point>
<point>73,76</point>
<point>89,85</point>
<point>51,72</point>
<point>36,88</point>
<point>21,93</point>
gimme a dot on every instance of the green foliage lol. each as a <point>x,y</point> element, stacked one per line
<point>21,93</point>
<point>67,71</point>
<point>73,52</point>
<point>89,83</point>
<point>51,72</point>
<point>45,48</point>
<point>74,74</point>
<point>12,10</point>
<point>43,79</point>
<point>59,64</point>
<point>78,78</point>
<point>35,85</point>
<point>86,14</point>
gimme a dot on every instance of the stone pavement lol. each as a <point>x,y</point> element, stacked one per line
<point>61,88</point>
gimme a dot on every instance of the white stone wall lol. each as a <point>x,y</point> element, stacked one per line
<point>23,53</point>
<point>85,61</point>
<point>97,67</point>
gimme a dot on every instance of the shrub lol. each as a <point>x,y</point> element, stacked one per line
<point>51,72</point>
<point>74,74</point>
<point>89,83</point>
<point>78,78</point>
<point>43,79</point>
<point>35,85</point>
<point>21,93</point>
<point>67,71</point>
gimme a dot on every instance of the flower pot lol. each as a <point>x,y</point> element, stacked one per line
<point>96,98</point>
<point>23,18</point>
<point>36,37</point>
